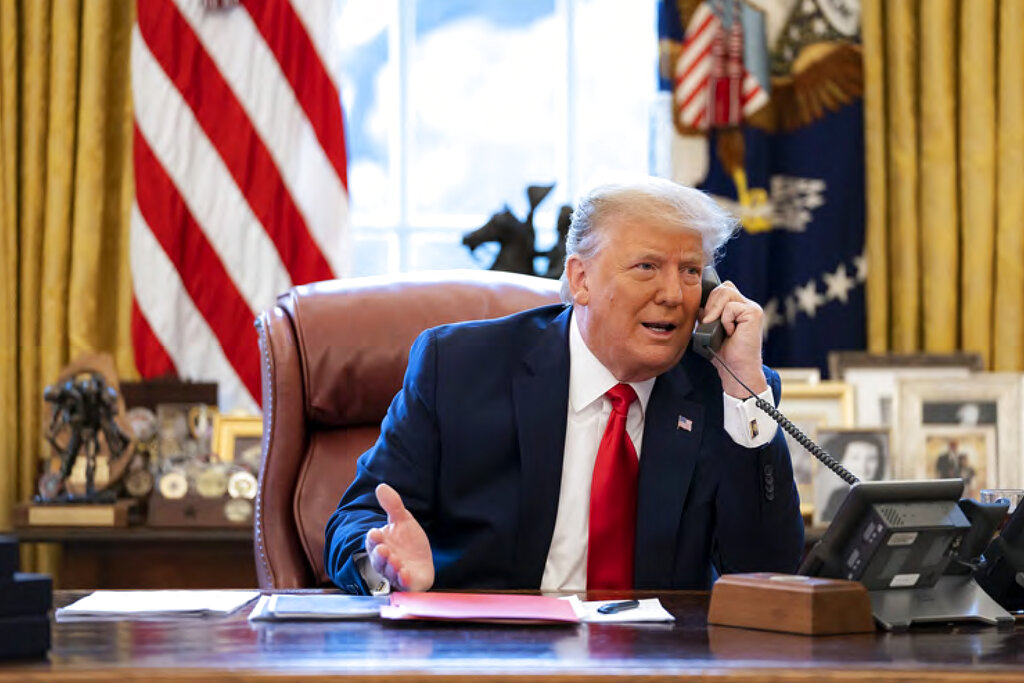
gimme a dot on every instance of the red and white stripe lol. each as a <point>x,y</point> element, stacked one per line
<point>240,180</point>
<point>693,73</point>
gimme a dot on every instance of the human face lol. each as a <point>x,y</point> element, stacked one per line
<point>861,459</point>
<point>636,298</point>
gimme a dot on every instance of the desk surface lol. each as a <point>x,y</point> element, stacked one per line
<point>231,649</point>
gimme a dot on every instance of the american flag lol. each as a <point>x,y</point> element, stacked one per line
<point>712,87</point>
<point>240,179</point>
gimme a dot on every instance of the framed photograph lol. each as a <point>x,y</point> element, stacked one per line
<point>874,377</point>
<point>967,453</point>
<point>238,438</point>
<point>864,452</point>
<point>931,408</point>
<point>798,375</point>
<point>812,407</point>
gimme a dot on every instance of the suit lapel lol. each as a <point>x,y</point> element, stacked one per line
<point>667,461</point>
<point>540,391</point>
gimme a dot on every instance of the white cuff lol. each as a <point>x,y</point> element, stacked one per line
<point>747,424</point>
<point>374,580</point>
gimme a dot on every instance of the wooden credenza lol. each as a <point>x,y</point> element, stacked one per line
<point>143,557</point>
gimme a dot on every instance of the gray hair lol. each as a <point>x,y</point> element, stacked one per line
<point>653,199</point>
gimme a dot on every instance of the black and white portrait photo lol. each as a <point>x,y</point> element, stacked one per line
<point>864,452</point>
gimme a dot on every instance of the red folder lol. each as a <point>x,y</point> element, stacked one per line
<point>479,607</point>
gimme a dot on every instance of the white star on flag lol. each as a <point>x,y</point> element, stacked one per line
<point>838,284</point>
<point>808,299</point>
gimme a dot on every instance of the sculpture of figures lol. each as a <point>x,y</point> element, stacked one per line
<point>84,406</point>
<point>516,238</point>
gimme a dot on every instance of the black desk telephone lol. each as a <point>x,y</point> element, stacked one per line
<point>883,537</point>
<point>708,338</point>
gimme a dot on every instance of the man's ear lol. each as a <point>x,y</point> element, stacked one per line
<point>577,277</point>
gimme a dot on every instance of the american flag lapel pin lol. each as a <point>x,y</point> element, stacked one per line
<point>684,423</point>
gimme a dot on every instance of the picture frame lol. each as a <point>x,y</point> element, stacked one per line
<point>969,453</point>
<point>998,396</point>
<point>865,452</point>
<point>237,435</point>
<point>799,375</point>
<point>812,407</point>
<point>874,377</point>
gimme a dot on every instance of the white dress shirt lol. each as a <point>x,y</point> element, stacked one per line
<point>588,411</point>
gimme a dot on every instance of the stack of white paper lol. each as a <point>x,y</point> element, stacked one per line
<point>156,604</point>
<point>289,607</point>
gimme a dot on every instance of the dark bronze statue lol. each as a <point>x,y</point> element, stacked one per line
<point>84,407</point>
<point>516,238</point>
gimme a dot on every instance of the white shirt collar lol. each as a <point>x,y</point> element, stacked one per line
<point>589,379</point>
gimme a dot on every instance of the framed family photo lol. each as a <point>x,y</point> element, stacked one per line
<point>864,452</point>
<point>977,417</point>
<point>967,453</point>
<point>874,378</point>
<point>812,407</point>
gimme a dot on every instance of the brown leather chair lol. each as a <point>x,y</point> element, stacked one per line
<point>333,355</point>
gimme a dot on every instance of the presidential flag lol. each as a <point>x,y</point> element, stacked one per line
<point>766,112</point>
<point>239,160</point>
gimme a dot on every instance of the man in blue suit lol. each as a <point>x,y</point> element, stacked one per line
<point>583,446</point>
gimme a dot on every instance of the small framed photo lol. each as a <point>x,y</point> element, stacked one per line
<point>238,438</point>
<point>967,453</point>
<point>864,452</point>
<point>874,378</point>
<point>798,375</point>
<point>811,407</point>
<point>930,409</point>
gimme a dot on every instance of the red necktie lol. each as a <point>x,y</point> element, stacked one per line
<point>613,500</point>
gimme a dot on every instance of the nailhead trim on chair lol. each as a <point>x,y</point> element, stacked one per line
<point>268,410</point>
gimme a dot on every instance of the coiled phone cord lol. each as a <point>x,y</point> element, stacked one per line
<point>801,438</point>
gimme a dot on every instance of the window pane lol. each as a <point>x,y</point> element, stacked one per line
<point>369,95</point>
<point>615,89</point>
<point>486,101</point>
<point>429,250</point>
<point>375,252</point>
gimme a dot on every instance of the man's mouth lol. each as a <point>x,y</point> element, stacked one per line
<point>660,327</point>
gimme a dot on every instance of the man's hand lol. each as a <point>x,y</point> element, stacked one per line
<point>400,551</point>
<point>743,321</point>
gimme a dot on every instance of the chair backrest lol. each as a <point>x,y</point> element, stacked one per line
<point>333,356</point>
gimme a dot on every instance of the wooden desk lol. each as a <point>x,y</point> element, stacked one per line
<point>144,557</point>
<point>230,649</point>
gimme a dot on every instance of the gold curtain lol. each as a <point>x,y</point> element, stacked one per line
<point>944,104</point>
<point>66,192</point>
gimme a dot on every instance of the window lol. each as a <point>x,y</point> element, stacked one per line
<point>453,107</point>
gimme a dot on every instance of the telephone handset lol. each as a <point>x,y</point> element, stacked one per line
<point>707,340</point>
<point>708,337</point>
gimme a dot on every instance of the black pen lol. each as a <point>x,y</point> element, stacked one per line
<point>616,607</point>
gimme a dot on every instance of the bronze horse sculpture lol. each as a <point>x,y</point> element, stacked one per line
<point>516,238</point>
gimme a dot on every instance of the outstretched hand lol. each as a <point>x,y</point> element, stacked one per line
<point>400,551</point>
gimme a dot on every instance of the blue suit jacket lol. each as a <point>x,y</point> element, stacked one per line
<point>473,442</point>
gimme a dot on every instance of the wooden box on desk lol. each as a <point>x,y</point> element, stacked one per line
<point>116,514</point>
<point>195,511</point>
<point>792,604</point>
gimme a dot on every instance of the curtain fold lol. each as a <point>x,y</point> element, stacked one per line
<point>903,162</point>
<point>939,193</point>
<point>1008,328</point>
<point>944,101</point>
<point>65,127</point>
<point>977,92</point>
